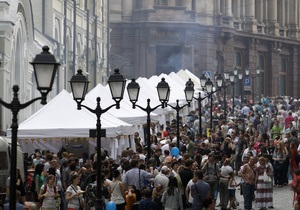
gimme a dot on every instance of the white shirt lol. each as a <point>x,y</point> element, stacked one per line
<point>246,152</point>
<point>161,179</point>
<point>165,147</point>
<point>190,183</point>
<point>225,170</point>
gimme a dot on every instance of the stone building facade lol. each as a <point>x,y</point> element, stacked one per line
<point>160,36</point>
<point>74,30</point>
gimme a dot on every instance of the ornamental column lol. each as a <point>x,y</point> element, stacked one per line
<point>217,7</point>
<point>149,4</point>
<point>126,9</point>
<point>187,4</point>
<point>250,22</point>
<point>293,21</point>
<point>228,8</point>
<point>272,18</point>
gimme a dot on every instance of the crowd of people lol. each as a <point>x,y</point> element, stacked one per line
<point>258,143</point>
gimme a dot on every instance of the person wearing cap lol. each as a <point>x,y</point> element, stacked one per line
<point>162,178</point>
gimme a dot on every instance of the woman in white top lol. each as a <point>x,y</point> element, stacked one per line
<point>117,190</point>
<point>74,194</point>
<point>48,194</point>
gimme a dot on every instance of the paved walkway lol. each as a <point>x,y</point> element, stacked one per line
<point>282,198</point>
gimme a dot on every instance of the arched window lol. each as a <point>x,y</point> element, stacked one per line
<point>282,75</point>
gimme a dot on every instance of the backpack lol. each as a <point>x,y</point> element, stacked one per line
<point>88,179</point>
<point>29,186</point>
<point>91,194</point>
<point>29,182</point>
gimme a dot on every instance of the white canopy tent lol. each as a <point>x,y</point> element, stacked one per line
<point>60,121</point>
<point>185,75</point>
<point>175,89</point>
<point>135,117</point>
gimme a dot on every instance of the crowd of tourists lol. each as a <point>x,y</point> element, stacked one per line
<point>258,143</point>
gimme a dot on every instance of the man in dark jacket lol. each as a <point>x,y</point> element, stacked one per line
<point>186,175</point>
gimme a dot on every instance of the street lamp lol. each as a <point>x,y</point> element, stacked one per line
<point>200,99</point>
<point>232,78</point>
<point>189,93</point>
<point>163,90</point>
<point>79,86</point>
<point>44,66</point>
<point>209,88</point>
<point>247,72</point>
<point>226,78</point>
<point>240,77</point>
<point>207,85</point>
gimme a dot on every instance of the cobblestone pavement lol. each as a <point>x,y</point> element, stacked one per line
<point>282,198</point>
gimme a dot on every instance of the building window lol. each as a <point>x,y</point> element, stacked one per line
<point>259,83</point>
<point>238,59</point>
<point>282,75</point>
<point>238,64</point>
<point>161,2</point>
<point>138,4</point>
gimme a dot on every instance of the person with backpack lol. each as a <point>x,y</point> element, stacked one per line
<point>210,170</point>
<point>49,195</point>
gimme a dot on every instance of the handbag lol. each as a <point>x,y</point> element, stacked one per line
<point>79,201</point>
<point>266,178</point>
<point>57,202</point>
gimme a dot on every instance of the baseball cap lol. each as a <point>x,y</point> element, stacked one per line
<point>164,169</point>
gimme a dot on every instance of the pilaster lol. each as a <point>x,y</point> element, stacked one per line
<point>272,18</point>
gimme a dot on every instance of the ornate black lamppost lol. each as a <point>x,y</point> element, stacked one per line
<point>232,78</point>
<point>79,86</point>
<point>189,93</point>
<point>44,66</point>
<point>247,72</point>
<point>163,91</point>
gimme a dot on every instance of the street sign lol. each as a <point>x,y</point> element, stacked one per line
<point>93,133</point>
<point>207,74</point>
<point>247,84</point>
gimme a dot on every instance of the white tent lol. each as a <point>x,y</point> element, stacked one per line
<point>60,120</point>
<point>126,113</point>
<point>185,75</point>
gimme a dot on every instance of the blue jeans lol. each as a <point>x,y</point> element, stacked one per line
<point>248,195</point>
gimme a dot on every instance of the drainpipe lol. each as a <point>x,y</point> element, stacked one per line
<point>43,16</point>
<point>108,39</point>
<point>95,43</point>
<point>74,35</point>
<point>65,43</point>
<point>87,38</point>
